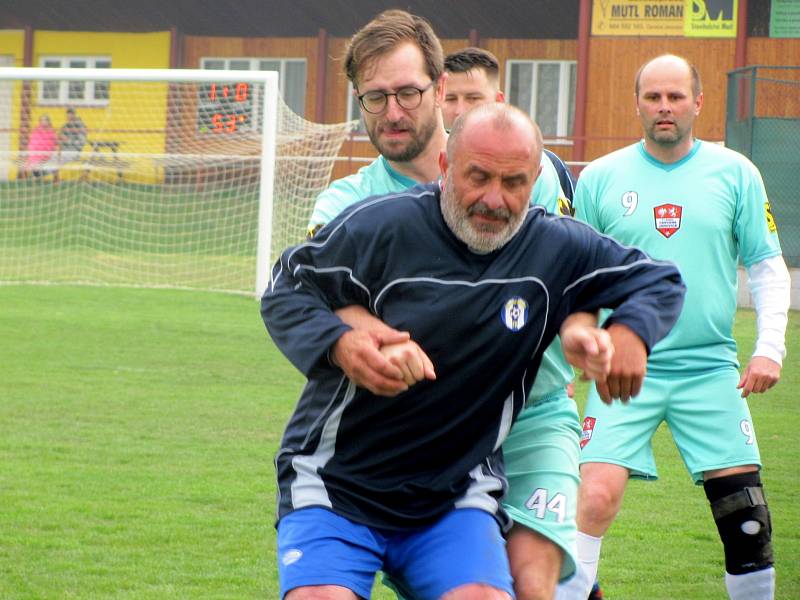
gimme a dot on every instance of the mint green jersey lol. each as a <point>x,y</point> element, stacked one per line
<point>705,213</point>
<point>379,177</point>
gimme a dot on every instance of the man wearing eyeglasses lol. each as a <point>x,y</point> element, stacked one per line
<point>396,66</point>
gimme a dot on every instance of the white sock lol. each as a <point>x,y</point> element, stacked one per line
<point>579,586</point>
<point>758,585</point>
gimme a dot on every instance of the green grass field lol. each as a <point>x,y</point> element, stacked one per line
<point>137,429</point>
<point>183,235</point>
<point>180,236</point>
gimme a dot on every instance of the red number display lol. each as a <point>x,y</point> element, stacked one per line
<point>225,108</point>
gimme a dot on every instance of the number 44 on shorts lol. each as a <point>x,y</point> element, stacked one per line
<point>541,504</point>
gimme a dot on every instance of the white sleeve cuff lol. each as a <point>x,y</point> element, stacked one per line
<point>776,351</point>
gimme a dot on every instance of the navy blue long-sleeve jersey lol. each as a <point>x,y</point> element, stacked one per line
<point>484,320</point>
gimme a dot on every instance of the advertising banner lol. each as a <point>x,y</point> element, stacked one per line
<point>676,18</point>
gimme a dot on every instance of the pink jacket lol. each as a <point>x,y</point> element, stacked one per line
<point>41,145</point>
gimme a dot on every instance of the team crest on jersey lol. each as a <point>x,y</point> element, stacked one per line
<point>771,226</point>
<point>668,219</point>
<point>588,430</point>
<point>515,313</point>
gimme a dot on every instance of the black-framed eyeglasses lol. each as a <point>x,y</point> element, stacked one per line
<point>409,98</point>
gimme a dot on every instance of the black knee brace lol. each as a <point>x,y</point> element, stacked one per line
<point>742,516</point>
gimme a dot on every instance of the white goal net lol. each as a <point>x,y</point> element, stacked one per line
<point>154,178</point>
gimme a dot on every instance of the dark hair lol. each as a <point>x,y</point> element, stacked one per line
<point>383,34</point>
<point>472,58</point>
<point>697,85</point>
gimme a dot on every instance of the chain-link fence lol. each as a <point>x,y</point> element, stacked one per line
<point>763,123</point>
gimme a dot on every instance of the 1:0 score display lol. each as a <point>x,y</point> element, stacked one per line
<point>221,92</point>
<point>225,108</point>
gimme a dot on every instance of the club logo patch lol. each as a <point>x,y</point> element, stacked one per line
<point>515,313</point>
<point>588,429</point>
<point>771,226</point>
<point>668,219</point>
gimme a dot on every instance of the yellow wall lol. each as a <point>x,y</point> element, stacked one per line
<point>127,50</point>
<point>135,120</point>
<point>12,42</point>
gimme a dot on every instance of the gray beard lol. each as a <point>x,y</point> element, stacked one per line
<point>480,242</point>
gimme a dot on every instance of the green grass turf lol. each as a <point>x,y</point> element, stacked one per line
<point>198,236</point>
<point>137,429</point>
<point>129,217</point>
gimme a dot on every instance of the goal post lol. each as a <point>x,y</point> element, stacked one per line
<point>269,134</point>
<point>175,178</point>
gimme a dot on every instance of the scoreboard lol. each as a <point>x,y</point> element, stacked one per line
<point>225,108</point>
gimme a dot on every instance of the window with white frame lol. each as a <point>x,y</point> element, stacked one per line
<point>546,91</point>
<point>91,93</point>
<point>292,75</point>
<point>354,110</point>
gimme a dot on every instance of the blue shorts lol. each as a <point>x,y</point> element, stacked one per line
<point>319,547</point>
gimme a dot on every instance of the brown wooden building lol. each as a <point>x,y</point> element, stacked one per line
<point>577,83</point>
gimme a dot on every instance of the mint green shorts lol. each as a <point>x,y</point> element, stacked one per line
<point>709,421</point>
<point>541,457</point>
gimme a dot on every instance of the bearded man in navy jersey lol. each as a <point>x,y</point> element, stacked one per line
<point>411,484</point>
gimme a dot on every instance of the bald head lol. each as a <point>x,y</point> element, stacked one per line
<point>493,159</point>
<point>515,125</point>
<point>669,62</point>
<point>668,101</point>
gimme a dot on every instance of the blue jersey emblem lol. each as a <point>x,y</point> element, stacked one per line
<point>515,313</point>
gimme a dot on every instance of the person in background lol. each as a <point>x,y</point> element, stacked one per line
<point>705,207</point>
<point>473,78</point>
<point>71,137</point>
<point>41,148</point>
<point>395,64</point>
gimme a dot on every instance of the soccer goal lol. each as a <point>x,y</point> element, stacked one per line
<point>190,179</point>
